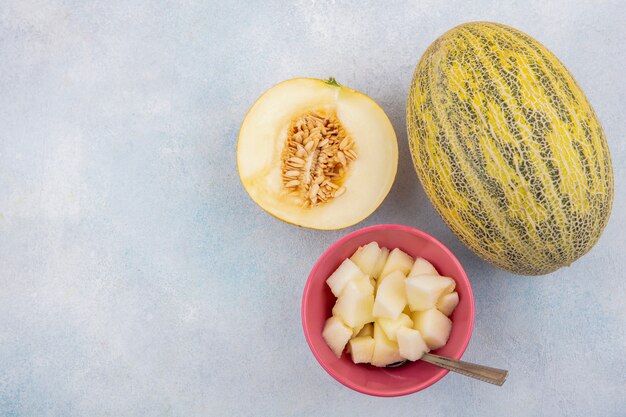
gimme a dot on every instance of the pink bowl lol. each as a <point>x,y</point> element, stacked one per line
<point>318,300</point>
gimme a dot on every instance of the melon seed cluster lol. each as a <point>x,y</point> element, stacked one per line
<point>316,158</point>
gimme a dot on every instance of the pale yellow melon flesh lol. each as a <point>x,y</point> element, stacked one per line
<point>422,267</point>
<point>396,261</point>
<point>380,263</point>
<point>391,326</point>
<point>355,304</point>
<point>336,334</point>
<point>423,291</point>
<point>366,258</point>
<point>411,344</point>
<point>263,136</point>
<point>362,349</point>
<point>390,297</point>
<point>346,272</point>
<point>386,351</point>
<point>403,319</point>
<point>366,330</point>
<point>356,331</point>
<point>448,302</point>
<point>434,327</point>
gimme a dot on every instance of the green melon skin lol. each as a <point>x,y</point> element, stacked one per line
<point>508,149</point>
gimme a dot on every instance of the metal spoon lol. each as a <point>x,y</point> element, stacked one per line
<point>484,373</point>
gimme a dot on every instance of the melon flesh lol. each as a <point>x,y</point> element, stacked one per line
<point>354,305</point>
<point>367,330</point>
<point>423,291</point>
<point>336,334</point>
<point>386,351</point>
<point>366,257</point>
<point>373,282</point>
<point>397,261</point>
<point>362,349</point>
<point>391,326</point>
<point>387,320</point>
<point>422,267</point>
<point>364,284</point>
<point>390,296</point>
<point>434,327</point>
<point>347,271</point>
<point>380,263</point>
<point>448,302</point>
<point>356,331</point>
<point>263,142</point>
<point>411,344</point>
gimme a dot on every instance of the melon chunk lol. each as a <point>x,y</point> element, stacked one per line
<point>390,296</point>
<point>362,349</point>
<point>366,257</point>
<point>434,327</point>
<point>303,135</point>
<point>448,302</point>
<point>336,334</point>
<point>391,326</point>
<point>380,263</point>
<point>354,305</point>
<point>347,271</point>
<point>386,351</point>
<point>383,321</point>
<point>357,330</point>
<point>423,291</point>
<point>364,284</point>
<point>411,344</point>
<point>367,330</point>
<point>422,267</point>
<point>396,261</point>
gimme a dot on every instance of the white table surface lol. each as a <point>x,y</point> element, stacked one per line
<point>137,278</point>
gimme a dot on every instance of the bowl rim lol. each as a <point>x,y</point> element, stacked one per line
<point>346,381</point>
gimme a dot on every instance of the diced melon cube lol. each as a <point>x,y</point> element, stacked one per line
<point>362,349</point>
<point>411,344</point>
<point>359,249</point>
<point>366,257</point>
<point>448,302</point>
<point>354,306</point>
<point>364,284</point>
<point>423,291</point>
<point>386,351</point>
<point>391,326</point>
<point>346,272</point>
<point>380,263</point>
<point>336,334</point>
<point>390,296</point>
<point>357,330</point>
<point>422,267</point>
<point>434,326</point>
<point>366,330</point>
<point>396,261</point>
<point>451,284</point>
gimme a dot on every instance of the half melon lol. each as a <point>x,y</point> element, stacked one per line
<point>317,154</point>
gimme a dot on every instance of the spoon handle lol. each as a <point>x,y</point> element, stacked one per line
<point>484,373</point>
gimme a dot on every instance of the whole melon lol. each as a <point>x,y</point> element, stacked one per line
<point>508,148</point>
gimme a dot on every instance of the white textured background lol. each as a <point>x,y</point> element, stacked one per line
<point>138,279</point>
